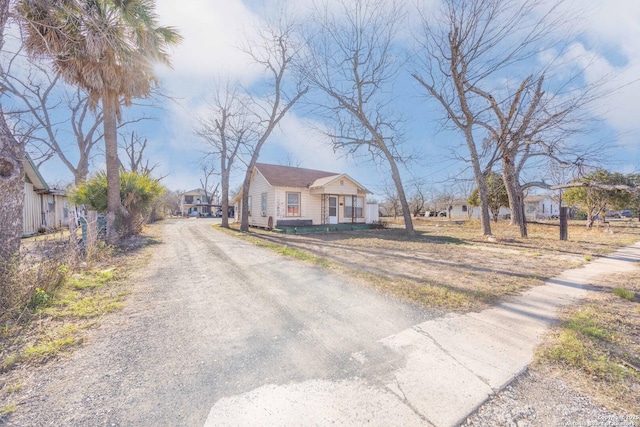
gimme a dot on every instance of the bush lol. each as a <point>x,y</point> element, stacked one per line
<point>137,195</point>
<point>33,277</point>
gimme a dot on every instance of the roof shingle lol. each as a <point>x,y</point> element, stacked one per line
<point>287,176</point>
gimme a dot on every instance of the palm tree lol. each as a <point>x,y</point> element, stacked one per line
<point>108,48</point>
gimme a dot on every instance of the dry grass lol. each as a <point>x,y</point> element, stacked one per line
<point>597,346</point>
<point>450,265</point>
<point>59,321</point>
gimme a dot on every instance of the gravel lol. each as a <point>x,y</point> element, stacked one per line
<point>542,399</point>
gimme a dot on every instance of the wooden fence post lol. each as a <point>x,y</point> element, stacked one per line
<point>564,226</point>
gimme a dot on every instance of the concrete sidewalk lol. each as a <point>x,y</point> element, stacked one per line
<point>436,373</point>
<point>455,363</point>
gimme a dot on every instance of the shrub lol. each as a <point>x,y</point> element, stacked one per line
<point>624,293</point>
<point>137,195</point>
<point>35,276</point>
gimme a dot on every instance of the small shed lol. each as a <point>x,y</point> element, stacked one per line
<point>45,208</point>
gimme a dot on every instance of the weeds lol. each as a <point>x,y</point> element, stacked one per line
<point>7,410</point>
<point>598,344</point>
<point>624,293</point>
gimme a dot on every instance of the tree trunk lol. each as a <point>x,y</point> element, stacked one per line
<point>397,180</point>
<point>485,217</point>
<point>516,202</point>
<point>244,221</point>
<point>224,178</point>
<point>11,199</point>
<point>114,205</point>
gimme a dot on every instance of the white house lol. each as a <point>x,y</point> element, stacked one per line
<point>535,207</point>
<point>290,196</point>
<point>541,207</point>
<point>45,208</point>
<point>195,202</point>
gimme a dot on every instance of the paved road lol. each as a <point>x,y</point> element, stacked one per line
<point>215,322</point>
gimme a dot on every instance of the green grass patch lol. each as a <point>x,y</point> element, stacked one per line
<point>583,343</point>
<point>281,249</point>
<point>292,252</point>
<point>13,388</point>
<point>91,279</point>
<point>48,346</point>
<point>624,293</point>
<point>92,306</point>
<point>7,410</point>
<point>586,322</point>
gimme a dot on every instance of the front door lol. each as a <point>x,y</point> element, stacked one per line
<point>333,210</point>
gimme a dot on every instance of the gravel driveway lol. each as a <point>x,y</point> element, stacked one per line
<point>214,317</point>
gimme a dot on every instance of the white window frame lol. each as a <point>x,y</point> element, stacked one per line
<point>263,204</point>
<point>359,207</point>
<point>293,205</point>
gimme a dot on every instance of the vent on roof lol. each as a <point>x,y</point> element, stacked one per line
<point>342,182</point>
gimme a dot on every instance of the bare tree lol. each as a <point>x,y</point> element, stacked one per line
<point>275,52</point>
<point>445,198</point>
<point>206,183</point>
<point>471,56</point>
<point>134,147</point>
<point>418,199</point>
<point>465,189</point>
<point>352,60</point>
<point>290,160</point>
<point>228,128</point>
<point>391,205</point>
<point>51,118</point>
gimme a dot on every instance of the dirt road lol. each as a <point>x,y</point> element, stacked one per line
<point>214,317</point>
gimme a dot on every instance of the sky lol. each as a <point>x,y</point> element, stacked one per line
<point>214,30</point>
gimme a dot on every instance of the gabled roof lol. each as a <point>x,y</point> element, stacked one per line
<point>323,182</point>
<point>198,191</point>
<point>33,175</point>
<point>287,176</point>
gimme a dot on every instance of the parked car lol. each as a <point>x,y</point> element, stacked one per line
<point>612,214</point>
<point>442,213</point>
<point>626,213</point>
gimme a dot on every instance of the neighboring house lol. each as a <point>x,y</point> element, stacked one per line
<point>535,207</point>
<point>541,207</point>
<point>195,202</point>
<point>461,209</point>
<point>45,208</point>
<point>289,196</point>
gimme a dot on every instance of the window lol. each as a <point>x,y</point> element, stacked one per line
<point>263,204</point>
<point>249,205</point>
<point>464,208</point>
<point>353,207</point>
<point>293,204</point>
<point>188,200</point>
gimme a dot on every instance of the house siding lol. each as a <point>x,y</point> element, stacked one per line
<point>347,188</point>
<point>43,210</point>
<point>310,205</point>
<point>258,186</point>
<point>32,211</point>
